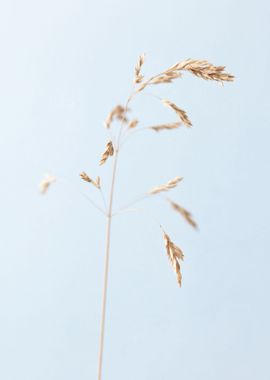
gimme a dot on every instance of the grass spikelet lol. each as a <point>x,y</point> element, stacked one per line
<point>185,213</point>
<point>109,151</point>
<point>203,69</point>
<point>45,183</point>
<point>181,113</point>
<point>175,254</point>
<point>133,123</point>
<point>167,186</point>
<point>86,178</point>
<point>138,75</point>
<point>142,87</point>
<point>166,78</point>
<point>118,112</point>
<point>162,127</point>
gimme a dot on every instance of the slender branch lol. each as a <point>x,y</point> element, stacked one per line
<point>103,197</point>
<point>82,194</point>
<point>128,205</point>
<point>127,137</point>
<point>146,212</point>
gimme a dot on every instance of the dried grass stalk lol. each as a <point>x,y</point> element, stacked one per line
<point>202,69</point>
<point>181,113</point>
<point>45,183</point>
<point>109,151</point>
<point>168,126</point>
<point>185,213</point>
<point>133,123</point>
<point>175,254</point>
<point>119,113</point>
<point>86,178</point>
<point>138,75</point>
<point>167,186</point>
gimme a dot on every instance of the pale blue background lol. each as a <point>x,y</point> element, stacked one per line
<point>64,64</point>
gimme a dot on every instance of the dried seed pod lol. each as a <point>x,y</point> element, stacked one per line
<point>185,213</point>
<point>45,183</point>
<point>181,113</point>
<point>175,254</point>
<point>109,151</point>
<point>119,113</point>
<point>138,76</point>
<point>203,69</point>
<point>168,126</point>
<point>167,186</point>
<point>86,178</point>
<point>133,123</point>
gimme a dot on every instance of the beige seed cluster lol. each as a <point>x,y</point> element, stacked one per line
<point>181,113</point>
<point>167,186</point>
<point>203,69</point>
<point>162,127</point>
<point>200,68</point>
<point>175,254</point>
<point>45,183</point>
<point>133,123</point>
<point>119,113</point>
<point>185,213</point>
<point>86,178</point>
<point>109,151</point>
<point>166,77</point>
<point>138,75</point>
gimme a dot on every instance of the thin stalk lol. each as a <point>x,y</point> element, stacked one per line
<point>106,269</point>
<point>107,249</point>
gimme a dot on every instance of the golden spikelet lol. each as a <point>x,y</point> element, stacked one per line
<point>181,113</point>
<point>86,178</point>
<point>133,123</point>
<point>138,76</point>
<point>202,69</point>
<point>118,112</point>
<point>45,183</point>
<point>185,213</point>
<point>109,151</point>
<point>166,78</point>
<point>168,126</point>
<point>167,186</point>
<point>175,254</point>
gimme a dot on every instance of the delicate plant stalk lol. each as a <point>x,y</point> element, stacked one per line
<point>106,268</point>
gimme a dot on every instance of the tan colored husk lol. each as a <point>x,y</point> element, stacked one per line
<point>133,123</point>
<point>202,69</point>
<point>185,213</point>
<point>119,113</point>
<point>86,178</point>
<point>168,126</point>
<point>166,78</point>
<point>109,151</point>
<point>45,183</point>
<point>138,76</point>
<point>181,113</point>
<point>167,186</point>
<point>175,254</point>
